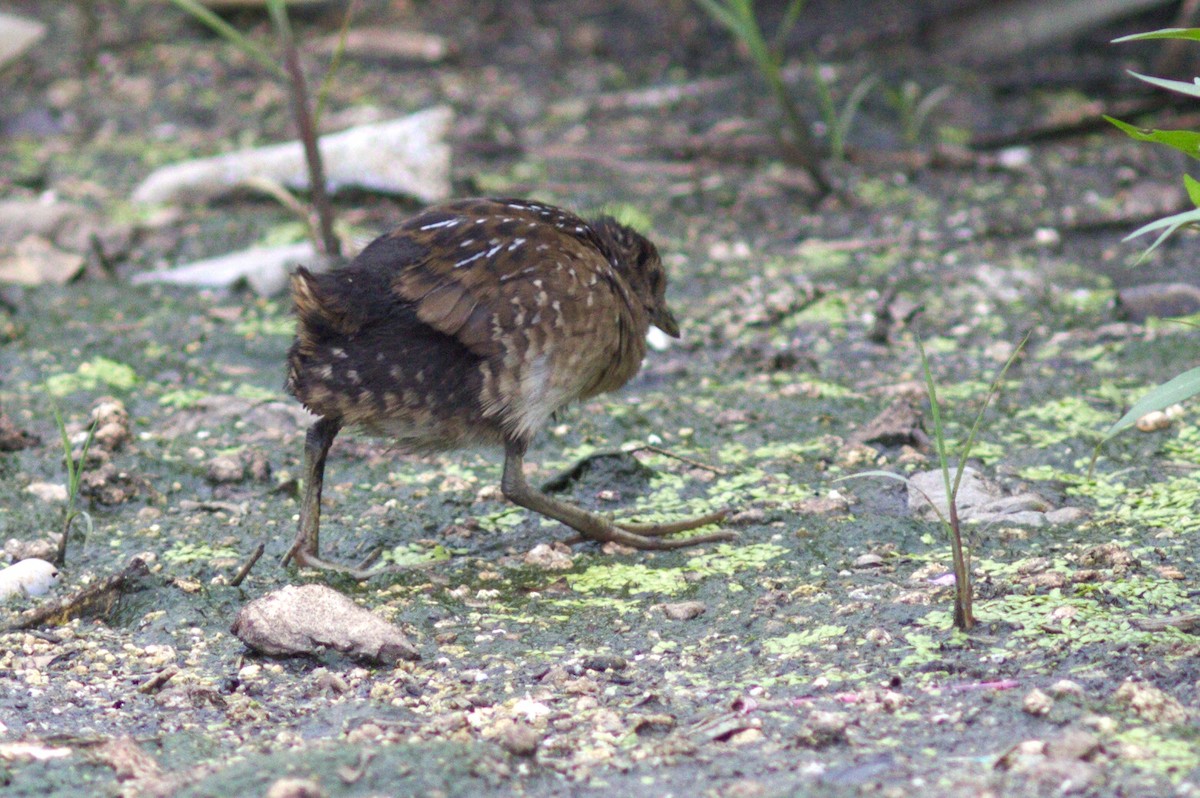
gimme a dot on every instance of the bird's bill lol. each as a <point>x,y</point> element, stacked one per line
<point>664,320</point>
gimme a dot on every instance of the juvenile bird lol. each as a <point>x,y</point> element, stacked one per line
<point>473,323</point>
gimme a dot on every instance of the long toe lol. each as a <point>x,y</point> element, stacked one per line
<point>684,525</point>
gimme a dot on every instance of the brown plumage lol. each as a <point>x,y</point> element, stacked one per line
<point>473,323</point>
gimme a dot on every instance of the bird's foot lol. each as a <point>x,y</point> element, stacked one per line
<point>654,536</point>
<point>361,572</point>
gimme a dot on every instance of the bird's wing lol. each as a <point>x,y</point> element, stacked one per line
<point>502,269</point>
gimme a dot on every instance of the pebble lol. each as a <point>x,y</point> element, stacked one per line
<point>1153,421</point>
<point>225,469</point>
<point>48,491</point>
<point>1037,703</point>
<point>684,610</point>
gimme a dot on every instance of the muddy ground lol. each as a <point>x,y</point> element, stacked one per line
<point>814,655</point>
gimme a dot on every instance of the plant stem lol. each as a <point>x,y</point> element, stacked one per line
<point>329,242</point>
<point>964,616</point>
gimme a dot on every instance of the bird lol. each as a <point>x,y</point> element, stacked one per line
<point>472,324</point>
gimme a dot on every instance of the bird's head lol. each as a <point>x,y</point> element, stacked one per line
<point>636,259</point>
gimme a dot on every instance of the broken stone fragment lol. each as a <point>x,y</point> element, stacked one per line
<point>299,619</point>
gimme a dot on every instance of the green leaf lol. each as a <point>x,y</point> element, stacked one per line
<point>1191,34</point>
<point>1171,223</point>
<point>1186,141</point>
<point>1191,89</point>
<point>1193,189</point>
<point>1182,387</point>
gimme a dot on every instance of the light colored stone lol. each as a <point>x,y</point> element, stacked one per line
<point>36,261</point>
<point>406,156</point>
<point>264,269</point>
<point>17,35</point>
<point>32,577</point>
<point>48,491</point>
<point>299,619</point>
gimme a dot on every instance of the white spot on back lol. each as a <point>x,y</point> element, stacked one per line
<point>465,261</point>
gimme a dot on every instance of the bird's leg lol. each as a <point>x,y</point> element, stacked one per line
<point>592,525</point>
<point>305,549</point>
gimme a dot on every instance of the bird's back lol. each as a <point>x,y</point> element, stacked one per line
<point>471,322</point>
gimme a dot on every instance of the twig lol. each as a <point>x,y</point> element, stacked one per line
<point>681,458</point>
<point>244,571</point>
<point>308,134</point>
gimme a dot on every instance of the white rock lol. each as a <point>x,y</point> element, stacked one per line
<point>32,577</point>
<point>264,269</point>
<point>401,156</point>
<point>18,34</point>
<point>48,491</point>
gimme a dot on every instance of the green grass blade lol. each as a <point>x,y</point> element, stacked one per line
<point>850,108</point>
<point>335,63</point>
<point>1191,34</point>
<point>1183,87</point>
<point>1181,387</point>
<point>994,389</point>
<point>935,414</point>
<point>66,445</point>
<point>231,35</point>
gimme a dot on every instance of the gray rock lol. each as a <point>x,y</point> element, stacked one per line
<point>981,501</point>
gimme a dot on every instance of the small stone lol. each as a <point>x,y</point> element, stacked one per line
<point>295,788</point>
<point>870,560</point>
<point>48,491</point>
<point>1037,703</point>
<point>42,549</point>
<point>823,728</point>
<point>1066,515</point>
<point>35,261</point>
<point>225,469</point>
<point>879,637</point>
<point>684,610</point>
<point>1153,421</point>
<point>1150,703</point>
<point>1073,744</point>
<point>17,35</point>
<point>1047,237</point>
<point>550,556</point>
<point>1014,158</point>
<point>1065,687</point>
<point>1107,555</point>
<point>518,739</point>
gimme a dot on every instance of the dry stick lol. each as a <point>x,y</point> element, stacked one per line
<point>308,136</point>
<point>681,458</point>
<point>240,576</point>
